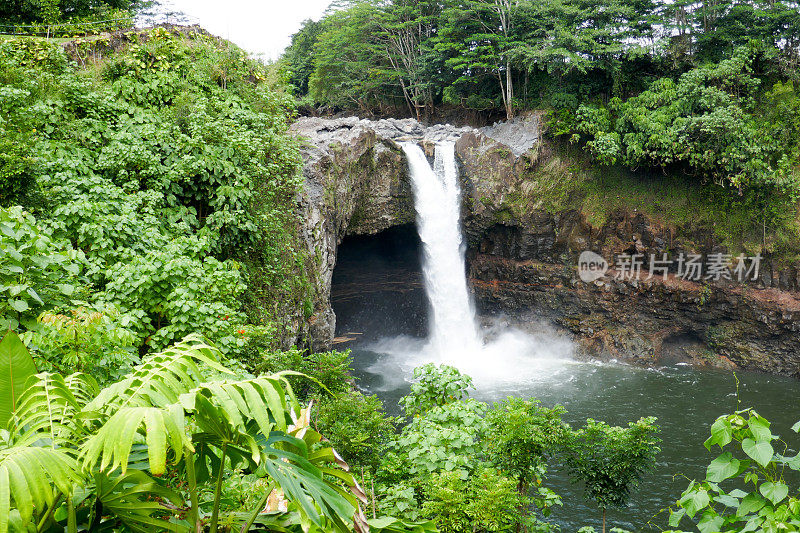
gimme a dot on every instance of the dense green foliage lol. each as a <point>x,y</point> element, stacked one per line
<point>68,17</point>
<point>146,204</point>
<point>512,55</point>
<point>710,123</point>
<point>704,91</point>
<point>97,454</point>
<point>160,179</point>
<point>611,460</point>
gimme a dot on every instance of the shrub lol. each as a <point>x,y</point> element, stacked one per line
<point>98,342</point>
<point>436,386</point>
<point>521,435</point>
<point>610,460</point>
<point>487,501</point>
<point>744,488</point>
<point>356,425</point>
<point>36,271</point>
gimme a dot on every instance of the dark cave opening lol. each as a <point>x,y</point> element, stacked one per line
<point>377,289</point>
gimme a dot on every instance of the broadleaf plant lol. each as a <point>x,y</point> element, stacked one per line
<point>744,488</point>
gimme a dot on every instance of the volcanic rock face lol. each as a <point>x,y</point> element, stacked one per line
<point>523,251</point>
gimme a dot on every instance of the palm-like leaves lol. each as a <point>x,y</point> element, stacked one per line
<point>28,475</point>
<point>112,444</point>
<point>49,406</point>
<point>244,420</point>
<point>163,377</point>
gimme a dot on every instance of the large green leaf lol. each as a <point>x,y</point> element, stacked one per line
<point>723,467</point>
<point>693,500</point>
<point>266,399</point>
<point>774,492</point>
<point>721,433</point>
<point>27,477</point>
<point>16,367</point>
<point>750,504</point>
<point>286,460</point>
<point>388,524</point>
<point>157,427</point>
<point>134,499</point>
<point>761,452</point>
<point>759,426</point>
<point>710,522</point>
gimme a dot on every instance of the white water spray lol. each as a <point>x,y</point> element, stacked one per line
<point>502,360</point>
<point>437,198</point>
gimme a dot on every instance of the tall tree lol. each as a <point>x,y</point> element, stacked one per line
<point>298,59</point>
<point>406,30</point>
<point>349,66</point>
<point>479,37</point>
<point>53,11</point>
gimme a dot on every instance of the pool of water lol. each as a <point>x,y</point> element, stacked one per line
<point>685,400</point>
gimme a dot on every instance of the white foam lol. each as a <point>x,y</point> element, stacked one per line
<point>498,358</point>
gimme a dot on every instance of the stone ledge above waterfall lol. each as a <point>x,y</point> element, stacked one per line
<point>356,183</point>
<point>518,135</point>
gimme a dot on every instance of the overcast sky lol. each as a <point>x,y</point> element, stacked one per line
<point>260,27</point>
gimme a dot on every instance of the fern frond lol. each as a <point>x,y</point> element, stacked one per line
<point>163,377</point>
<point>48,408</point>
<point>157,427</point>
<point>28,475</point>
<point>268,400</point>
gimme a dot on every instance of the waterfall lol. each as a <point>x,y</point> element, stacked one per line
<point>437,198</point>
<point>499,358</point>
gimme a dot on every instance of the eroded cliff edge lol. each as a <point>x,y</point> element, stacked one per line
<point>525,227</point>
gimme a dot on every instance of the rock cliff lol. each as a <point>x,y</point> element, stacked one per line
<point>524,237</point>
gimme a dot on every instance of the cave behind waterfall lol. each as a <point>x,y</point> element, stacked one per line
<point>377,288</point>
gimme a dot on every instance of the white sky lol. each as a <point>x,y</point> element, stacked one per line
<point>260,27</point>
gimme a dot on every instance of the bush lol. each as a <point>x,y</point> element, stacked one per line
<point>744,488</point>
<point>36,271</point>
<point>709,121</point>
<point>446,438</point>
<point>487,501</point>
<point>356,425</point>
<point>610,460</point>
<point>94,341</point>
<point>436,386</point>
<point>168,164</point>
<point>330,371</point>
<point>521,435</point>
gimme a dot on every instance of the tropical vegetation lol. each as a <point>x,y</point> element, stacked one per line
<point>154,370</point>
<point>704,92</point>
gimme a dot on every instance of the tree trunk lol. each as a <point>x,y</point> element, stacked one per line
<point>604,520</point>
<point>509,92</point>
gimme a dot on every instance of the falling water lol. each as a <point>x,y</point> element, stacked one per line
<point>501,358</point>
<point>438,203</point>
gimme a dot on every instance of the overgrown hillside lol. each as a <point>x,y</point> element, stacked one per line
<point>146,183</point>
<point>700,96</point>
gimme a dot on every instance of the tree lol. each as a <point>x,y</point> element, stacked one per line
<point>407,28</point>
<point>478,39</point>
<point>298,59</point>
<point>520,437</point>
<point>53,11</point>
<point>610,460</point>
